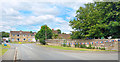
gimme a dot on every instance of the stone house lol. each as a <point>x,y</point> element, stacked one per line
<point>21,36</point>
<point>61,36</point>
<point>64,36</point>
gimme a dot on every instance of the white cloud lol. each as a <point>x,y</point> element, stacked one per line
<point>43,12</point>
<point>7,28</point>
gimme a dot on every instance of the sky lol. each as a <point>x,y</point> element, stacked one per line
<point>30,15</point>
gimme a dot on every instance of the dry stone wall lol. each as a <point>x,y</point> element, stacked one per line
<point>109,44</point>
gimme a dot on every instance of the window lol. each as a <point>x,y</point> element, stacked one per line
<point>18,39</point>
<point>13,35</point>
<point>12,39</point>
<point>24,39</point>
<point>18,35</point>
<point>29,39</point>
<point>24,35</point>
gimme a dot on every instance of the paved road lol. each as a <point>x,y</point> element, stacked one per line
<point>35,52</point>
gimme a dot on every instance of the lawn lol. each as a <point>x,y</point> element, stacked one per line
<point>70,48</point>
<point>2,50</point>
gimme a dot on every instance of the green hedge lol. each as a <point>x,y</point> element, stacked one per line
<point>42,41</point>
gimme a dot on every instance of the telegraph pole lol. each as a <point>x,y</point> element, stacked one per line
<point>45,33</point>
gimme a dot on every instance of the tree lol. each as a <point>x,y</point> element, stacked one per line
<point>63,33</point>
<point>44,33</point>
<point>5,34</point>
<point>59,31</point>
<point>31,32</point>
<point>96,20</point>
<point>55,36</point>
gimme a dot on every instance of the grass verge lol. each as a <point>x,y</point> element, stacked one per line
<point>70,48</point>
<point>2,50</point>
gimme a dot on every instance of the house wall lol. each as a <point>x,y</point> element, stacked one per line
<point>21,37</point>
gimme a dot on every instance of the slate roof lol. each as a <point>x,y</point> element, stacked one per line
<point>22,32</point>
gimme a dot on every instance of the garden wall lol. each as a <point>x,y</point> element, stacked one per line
<point>109,44</point>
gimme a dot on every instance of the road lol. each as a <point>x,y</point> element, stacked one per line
<point>36,52</point>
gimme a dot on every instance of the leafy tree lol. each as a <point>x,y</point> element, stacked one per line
<point>59,31</point>
<point>31,32</point>
<point>55,36</point>
<point>63,33</point>
<point>44,33</point>
<point>5,34</point>
<point>96,20</point>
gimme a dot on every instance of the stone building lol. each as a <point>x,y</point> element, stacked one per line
<point>54,31</point>
<point>61,36</point>
<point>21,36</point>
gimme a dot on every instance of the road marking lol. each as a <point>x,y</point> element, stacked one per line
<point>15,55</point>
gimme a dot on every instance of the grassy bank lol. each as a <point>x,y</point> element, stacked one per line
<point>70,48</point>
<point>2,50</point>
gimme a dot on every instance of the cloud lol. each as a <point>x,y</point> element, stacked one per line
<point>31,14</point>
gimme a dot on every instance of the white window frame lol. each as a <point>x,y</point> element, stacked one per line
<point>13,34</point>
<point>12,39</point>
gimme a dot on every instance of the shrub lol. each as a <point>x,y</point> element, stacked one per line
<point>103,48</point>
<point>90,46</point>
<point>84,46</point>
<point>69,45</point>
<point>87,47</point>
<point>99,48</point>
<point>64,45</point>
<point>93,47</point>
<point>75,45</point>
<point>81,46</point>
<point>42,41</point>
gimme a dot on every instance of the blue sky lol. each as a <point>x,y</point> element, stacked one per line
<point>25,12</point>
<point>31,15</point>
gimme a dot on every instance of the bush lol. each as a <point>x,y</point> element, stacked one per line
<point>93,47</point>
<point>103,48</point>
<point>90,46</point>
<point>64,45</point>
<point>75,45</point>
<point>69,45</point>
<point>84,46</point>
<point>87,47</point>
<point>99,48</point>
<point>81,46</point>
<point>42,41</point>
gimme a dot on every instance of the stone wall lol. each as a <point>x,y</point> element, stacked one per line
<point>110,45</point>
